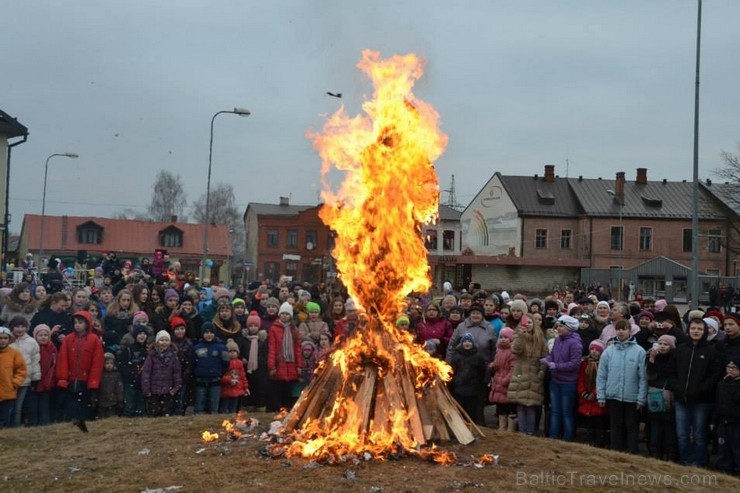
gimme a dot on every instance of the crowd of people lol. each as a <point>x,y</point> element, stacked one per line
<point>156,344</point>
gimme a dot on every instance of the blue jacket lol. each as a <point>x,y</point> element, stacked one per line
<point>211,359</point>
<point>566,354</point>
<point>622,373</point>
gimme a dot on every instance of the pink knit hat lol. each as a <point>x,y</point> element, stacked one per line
<point>660,305</point>
<point>41,328</point>
<point>140,316</point>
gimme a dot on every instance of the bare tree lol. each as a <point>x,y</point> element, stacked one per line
<point>168,198</point>
<point>730,169</point>
<point>223,210</point>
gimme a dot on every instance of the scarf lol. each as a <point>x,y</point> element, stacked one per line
<point>253,347</point>
<point>592,366</point>
<point>288,354</point>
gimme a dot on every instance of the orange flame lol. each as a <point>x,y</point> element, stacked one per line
<point>207,436</point>
<point>390,189</point>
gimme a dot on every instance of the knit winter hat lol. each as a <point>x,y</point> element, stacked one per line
<point>313,307</point>
<point>570,322</point>
<point>138,329</point>
<point>506,333</point>
<point>479,308</point>
<point>602,303</point>
<point>139,317</point>
<point>505,296</point>
<point>231,345</point>
<point>694,314</point>
<point>350,304</point>
<point>5,330</point>
<point>272,301</point>
<point>571,306</point>
<point>403,319</point>
<point>734,316</point>
<point>597,345</point>
<point>238,301</point>
<point>303,292</point>
<point>177,322</point>
<point>538,302</point>
<point>254,319</point>
<point>647,314</point>
<point>220,292</point>
<point>660,305</point>
<point>41,328</point>
<point>468,337</point>
<point>170,293</point>
<point>716,314</point>
<point>162,334</point>
<point>207,327</point>
<point>109,357</point>
<point>663,316</point>
<point>712,323</point>
<point>668,339</point>
<point>308,345</point>
<point>519,304</point>
<point>286,308</point>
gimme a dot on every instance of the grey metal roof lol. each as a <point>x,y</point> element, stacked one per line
<point>655,199</point>
<point>727,193</point>
<point>537,197</point>
<point>10,127</point>
<point>277,209</point>
<point>447,213</point>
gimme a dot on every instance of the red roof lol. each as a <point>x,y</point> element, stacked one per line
<point>122,235</point>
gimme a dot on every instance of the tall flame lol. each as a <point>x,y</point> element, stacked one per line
<point>390,189</point>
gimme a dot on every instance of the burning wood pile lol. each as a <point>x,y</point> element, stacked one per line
<point>378,392</point>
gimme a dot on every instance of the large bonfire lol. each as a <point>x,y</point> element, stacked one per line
<point>379,393</point>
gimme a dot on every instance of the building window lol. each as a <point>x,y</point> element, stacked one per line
<point>448,240</point>
<point>292,239</point>
<point>714,240</point>
<point>272,270</point>
<point>171,239</point>
<point>291,268</point>
<point>687,240</point>
<point>566,236</point>
<point>272,238</point>
<point>89,236</point>
<point>540,238</point>
<point>646,239</point>
<point>330,242</point>
<point>430,239</point>
<point>311,238</point>
<point>617,239</point>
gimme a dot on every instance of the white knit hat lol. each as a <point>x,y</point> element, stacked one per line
<point>162,334</point>
<point>286,308</point>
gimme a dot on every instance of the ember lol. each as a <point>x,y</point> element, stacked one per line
<point>379,393</point>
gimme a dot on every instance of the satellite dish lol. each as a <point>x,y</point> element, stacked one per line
<point>309,246</point>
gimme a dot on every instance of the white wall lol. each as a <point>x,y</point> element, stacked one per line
<point>490,224</point>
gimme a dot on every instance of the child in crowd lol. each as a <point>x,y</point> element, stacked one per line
<point>621,385</point>
<point>662,423</point>
<point>324,346</point>
<point>234,382</point>
<point>594,416</point>
<point>183,347</point>
<point>283,358</point>
<point>728,417</point>
<point>314,325</point>
<point>240,311</point>
<point>110,394</point>
<point>39,397</point>
<point>257,374</point>
<point>503,368</point>
<point>29,348</point>
<point>161,378</point>
<point>131,360</point>
<point>468,373</point>
<point>306,368</point>
<point>211,359</point>
<point>11,377</point>
<point>527,387</point>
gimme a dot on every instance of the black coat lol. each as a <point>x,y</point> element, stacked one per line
<point>695,370</point>
<point>469,372</point>
<point>727,407</point>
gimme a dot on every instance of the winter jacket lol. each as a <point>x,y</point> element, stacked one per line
<point>621,374</point>
<point>587,337</point>
<point>527,385</point>
<point>130,361</point>
<point>184,350</point>
<point>210,361</point>
<point>485,341</point>
<point>51,318</point>
<point>436,328</point>
<point>610,332</point>
<point>29,348</point>
<point>234,382</point>
<point>659,372</point>
<point>267,321</point>
<point>566,354</point>
<point>12,373</point>
<point>194,323</point>
<point>504,363</point>
<point>161,373</point>
<point>314,328</point>
<point>286,372</point>
<point>695,371</point>
<point>727,409</point>
<point>12,309</point>
<point>119,325</point>
<point>110,393</point>
<point>48,366</point>
<point>588,406</point>
<point>469,372</point>
<point>728,346</point>
<point>80,359</point>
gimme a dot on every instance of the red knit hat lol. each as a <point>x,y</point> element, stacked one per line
<point>715,313</point>
<point>177,322</point>
<point>253,319</point>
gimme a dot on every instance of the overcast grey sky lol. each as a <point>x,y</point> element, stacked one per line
<point>131,86</point>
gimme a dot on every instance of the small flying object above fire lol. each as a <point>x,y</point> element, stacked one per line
<point>334,94</point>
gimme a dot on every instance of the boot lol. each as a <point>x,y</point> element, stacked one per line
<point>512,423</point>
<point>503,422</point>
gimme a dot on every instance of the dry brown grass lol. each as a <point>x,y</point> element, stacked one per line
<point>61,458</point>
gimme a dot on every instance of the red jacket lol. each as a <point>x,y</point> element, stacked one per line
<point>437,328</point>
<point>48,365</point>
<point>234,382</point>
<point>504,361</point>
<point>286,372</point>
<point>80,358</point>
<point>588,407</point>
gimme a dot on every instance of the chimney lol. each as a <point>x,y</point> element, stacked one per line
<point>619,188</point>
<point>173,218</point>
<point>641,176</point>
<point>550,173</point>
<point>284,201</point>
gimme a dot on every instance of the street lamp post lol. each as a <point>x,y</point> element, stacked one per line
<point>72,155</point>
<point>235,111</point>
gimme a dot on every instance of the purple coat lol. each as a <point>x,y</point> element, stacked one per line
<point>566,354</point>
<point>161,373</point>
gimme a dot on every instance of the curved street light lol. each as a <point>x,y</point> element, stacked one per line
<point>236,111</point>
<point>72,155</point>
